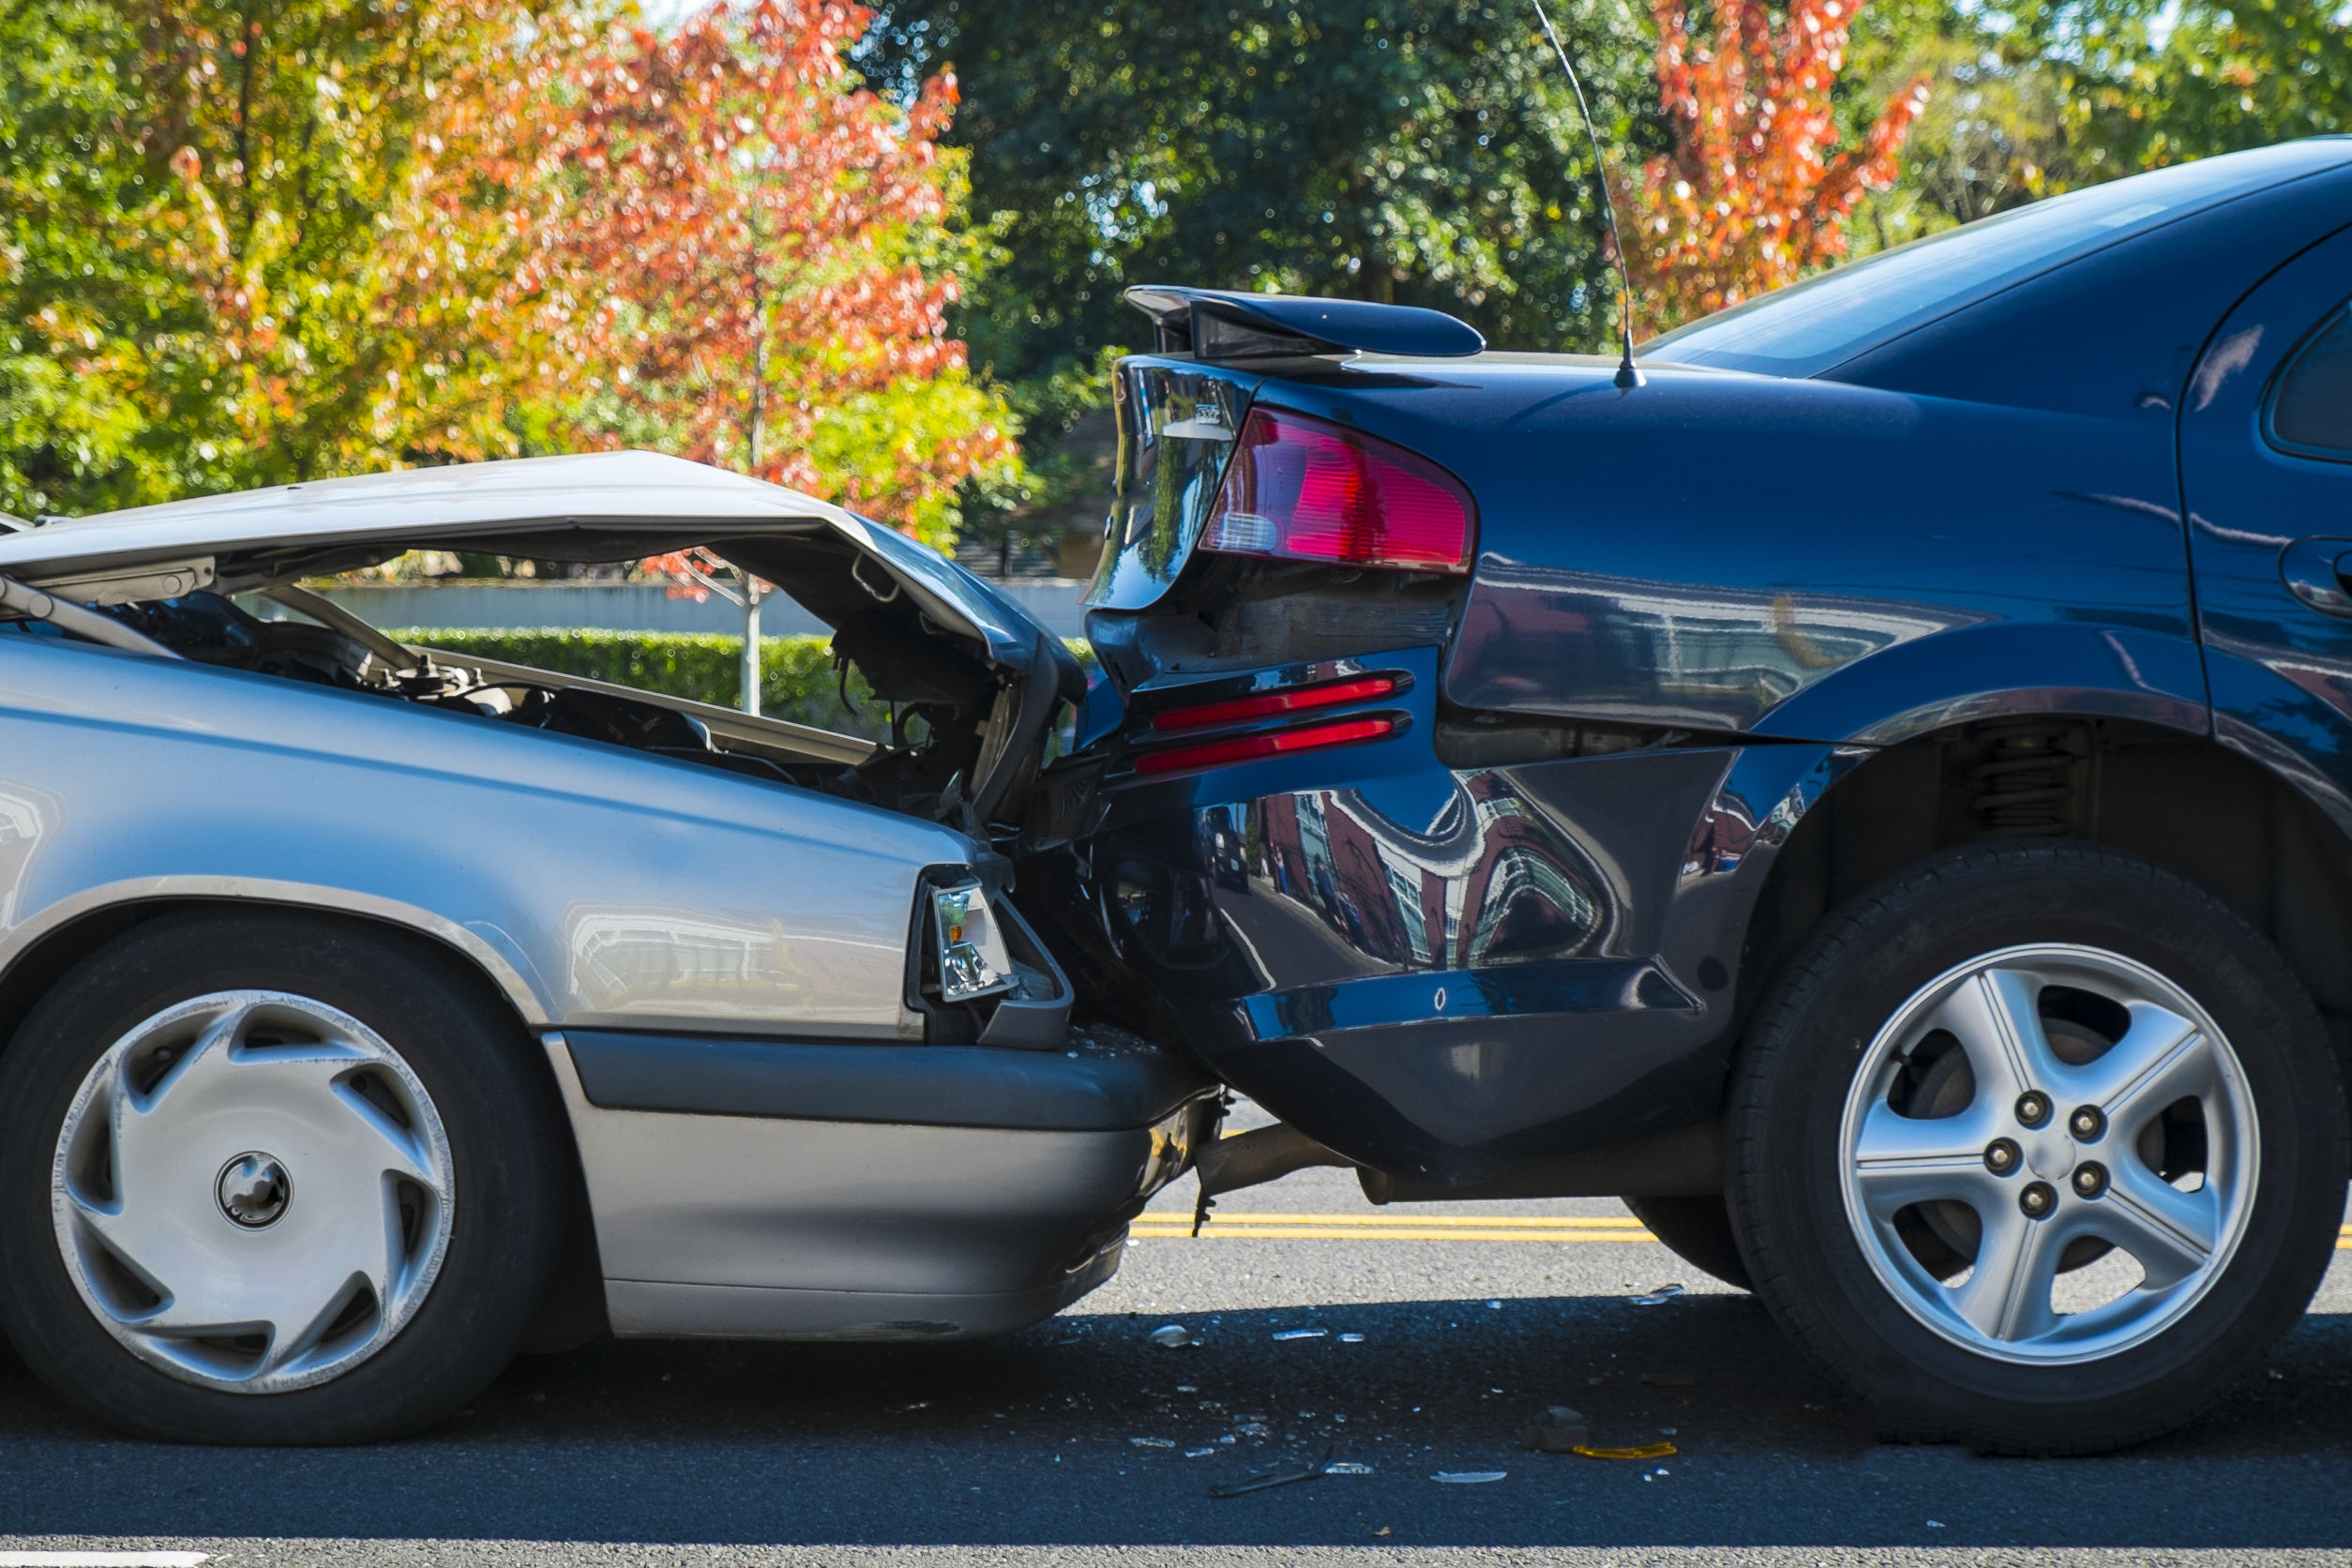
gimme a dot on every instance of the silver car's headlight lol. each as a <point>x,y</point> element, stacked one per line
<point>973,962</point>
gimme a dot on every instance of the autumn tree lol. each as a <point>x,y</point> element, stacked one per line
<point>1755,191</point>
<point>191,197</point>
<point>716,240</point>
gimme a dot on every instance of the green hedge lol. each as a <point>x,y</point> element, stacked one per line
<point>797,680</point>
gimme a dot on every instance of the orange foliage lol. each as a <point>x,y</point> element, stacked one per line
<point>715,235</point>
<point>1753,197</point>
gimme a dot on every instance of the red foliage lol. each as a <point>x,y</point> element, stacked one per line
<point>718,240</point>
<point>1752,196</point>
<point>739,205</point>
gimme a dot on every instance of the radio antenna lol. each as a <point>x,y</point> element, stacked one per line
<point>1628,375</point>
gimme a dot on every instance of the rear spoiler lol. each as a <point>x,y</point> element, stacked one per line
<point>1226,323</point>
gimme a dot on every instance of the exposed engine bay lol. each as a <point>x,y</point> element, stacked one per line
<point>936,708</point>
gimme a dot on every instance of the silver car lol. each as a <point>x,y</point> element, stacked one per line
<point>376,1011</point>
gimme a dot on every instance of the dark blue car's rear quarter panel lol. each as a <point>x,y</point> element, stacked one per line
<point>1701,551</point>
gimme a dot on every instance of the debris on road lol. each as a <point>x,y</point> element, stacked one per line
<point>1557,1429</point>
<point>1468,1478</point>
<point>1301,1334</point>
<point>1352,1339</point>
<point>1652,1298</point>
<point>1199,1453</point>
<point>1172,1336</point>
<point>1283,1476</point>
<point>1347,1467</point>
<point>1643,1451</point>
<point>1152,1442</point>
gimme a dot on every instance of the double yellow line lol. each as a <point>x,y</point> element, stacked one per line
<point>1420,1228</point>
<point>1395,1228</point>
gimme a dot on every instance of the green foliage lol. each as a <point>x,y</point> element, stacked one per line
<point>2043,96</point>
<point>1029,509</point>
<point>1424,152</point>
<point>2228,76</point>
<point>68,161</point>
<point>189,193</point>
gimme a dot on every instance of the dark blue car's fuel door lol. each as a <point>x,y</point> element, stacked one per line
<point>2266,465</point>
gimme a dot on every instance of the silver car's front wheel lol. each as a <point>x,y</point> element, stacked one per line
<point>252,1191</point>
<point>273,1178</point>
<point>2034,1113</point>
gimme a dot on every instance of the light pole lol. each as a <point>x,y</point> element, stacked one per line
<point>751,597</point>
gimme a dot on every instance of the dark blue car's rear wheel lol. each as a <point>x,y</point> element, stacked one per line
<point>2038,1146</point>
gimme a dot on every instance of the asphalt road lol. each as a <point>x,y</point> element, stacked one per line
<point>1081,1442</point>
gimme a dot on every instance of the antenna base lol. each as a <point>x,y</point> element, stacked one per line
<point>1629,376</point>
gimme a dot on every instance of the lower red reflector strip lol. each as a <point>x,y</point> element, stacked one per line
<point>1249,747</point>
<point>1327,696</point>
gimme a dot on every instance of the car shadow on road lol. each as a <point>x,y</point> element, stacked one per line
<point>1082,1430</point>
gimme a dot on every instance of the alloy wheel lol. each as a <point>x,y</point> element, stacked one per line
<point>2034,1112</point>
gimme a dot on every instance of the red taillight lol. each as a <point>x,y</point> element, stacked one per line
<point>1304,490</point>
<point>1248,748</point>
<point>1329,695</point>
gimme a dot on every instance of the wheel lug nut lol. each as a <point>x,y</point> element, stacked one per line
<point>2033,1107</point>
<point>2086,1123</point>
<point>2037,1199</point>
<point>2001,1156</point>
<point>2090,1178</point>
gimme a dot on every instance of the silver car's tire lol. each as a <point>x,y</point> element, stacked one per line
<point>269,1179</point>
<point>2037,1146</point>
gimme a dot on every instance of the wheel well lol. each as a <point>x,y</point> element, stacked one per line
<point>574,1310</point>
<point>45,962</point>
<point>2182,801</point>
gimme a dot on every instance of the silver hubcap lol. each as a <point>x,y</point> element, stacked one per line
<point>252,1191</point>
<point>2049,1154</point>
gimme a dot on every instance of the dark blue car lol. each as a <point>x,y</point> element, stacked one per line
<point>1876,794</point>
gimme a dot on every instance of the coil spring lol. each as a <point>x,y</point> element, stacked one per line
<point>2027,786</point>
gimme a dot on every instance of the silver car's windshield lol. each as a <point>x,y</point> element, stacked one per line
<point>1821,323</point>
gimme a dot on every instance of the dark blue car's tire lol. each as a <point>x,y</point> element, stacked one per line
<point>2037,1146</point>
<point>273,1178</point>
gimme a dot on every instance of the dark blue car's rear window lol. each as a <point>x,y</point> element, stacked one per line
<point>1811,326</point>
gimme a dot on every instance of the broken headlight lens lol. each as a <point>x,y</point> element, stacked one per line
<point>973,962</point>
